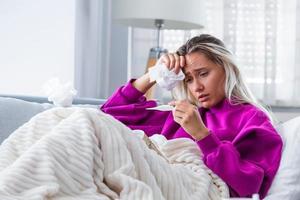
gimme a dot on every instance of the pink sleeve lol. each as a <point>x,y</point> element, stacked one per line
<point>125,95</point>
<point>249,163</point>
<point>128,105</point>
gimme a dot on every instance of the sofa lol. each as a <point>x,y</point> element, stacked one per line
<point>16,110</point>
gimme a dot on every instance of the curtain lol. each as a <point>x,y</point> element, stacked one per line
<point>100,49</point>
<point>264,36</point>
<point>92,41</point>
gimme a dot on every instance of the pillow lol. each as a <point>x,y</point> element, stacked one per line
<point>15,112</point>
<point>286,184</point>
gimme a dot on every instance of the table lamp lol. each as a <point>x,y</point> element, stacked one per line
<point>159,14</point>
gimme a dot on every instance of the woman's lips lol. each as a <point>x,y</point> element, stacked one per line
<point>203,98</point>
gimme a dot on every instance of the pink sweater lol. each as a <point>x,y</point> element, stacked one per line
<point>243,148</point>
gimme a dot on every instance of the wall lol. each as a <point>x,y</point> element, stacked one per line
<point>37,43</point>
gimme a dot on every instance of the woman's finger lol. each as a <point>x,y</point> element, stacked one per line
<point>165,60</point>
<point>178,102</point>
<point>172,61</point>
<point>182,61</point>
<point>177,63</point>
<point>181,108</point>
<point>172,103</point>
<point>177,116</point>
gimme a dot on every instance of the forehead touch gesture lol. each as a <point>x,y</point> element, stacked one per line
<point>205,80</point>
<point>210,77</point>
<point>202,62</point>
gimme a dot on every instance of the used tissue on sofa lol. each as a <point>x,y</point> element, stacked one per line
<point>58,93</point>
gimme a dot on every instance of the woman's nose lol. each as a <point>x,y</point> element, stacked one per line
<point>198,86</point>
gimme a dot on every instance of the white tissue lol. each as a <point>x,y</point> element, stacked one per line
<point>164,77</point>
<point>58,93</point>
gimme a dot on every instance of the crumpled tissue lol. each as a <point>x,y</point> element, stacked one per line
<point>164,77</point>
<point>58,93</point>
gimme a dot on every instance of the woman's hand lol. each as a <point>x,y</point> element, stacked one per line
<point>188,116</point>
<point>172,61</point>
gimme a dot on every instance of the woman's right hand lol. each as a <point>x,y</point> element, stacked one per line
<point>172,61</point>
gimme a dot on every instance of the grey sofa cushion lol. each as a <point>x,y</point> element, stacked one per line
<point>15,112</point>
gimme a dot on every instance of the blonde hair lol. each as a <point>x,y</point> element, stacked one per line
<point>214,49</point>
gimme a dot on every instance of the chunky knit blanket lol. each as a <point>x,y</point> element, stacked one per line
<point>83,153</point>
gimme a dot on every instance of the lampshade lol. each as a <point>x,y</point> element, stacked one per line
<point>176,14</point>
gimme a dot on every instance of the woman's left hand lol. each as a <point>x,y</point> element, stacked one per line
<point>188,116</point>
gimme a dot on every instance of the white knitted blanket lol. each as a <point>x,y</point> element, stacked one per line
<point>83,153</point>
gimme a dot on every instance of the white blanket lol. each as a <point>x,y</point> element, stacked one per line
<point>83,153</point>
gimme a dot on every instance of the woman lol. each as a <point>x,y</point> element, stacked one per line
<point>230,127</point>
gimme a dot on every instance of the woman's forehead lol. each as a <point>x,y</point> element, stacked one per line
<point>196,60</point>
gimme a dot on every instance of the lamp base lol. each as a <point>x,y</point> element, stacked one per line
<point>154,55</point>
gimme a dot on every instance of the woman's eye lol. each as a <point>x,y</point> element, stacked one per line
<point>203,74</point>
<point>188,80</point>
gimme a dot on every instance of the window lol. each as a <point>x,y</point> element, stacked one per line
<point>264,36</point>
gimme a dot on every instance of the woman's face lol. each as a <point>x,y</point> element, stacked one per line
<point>204,79</point>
